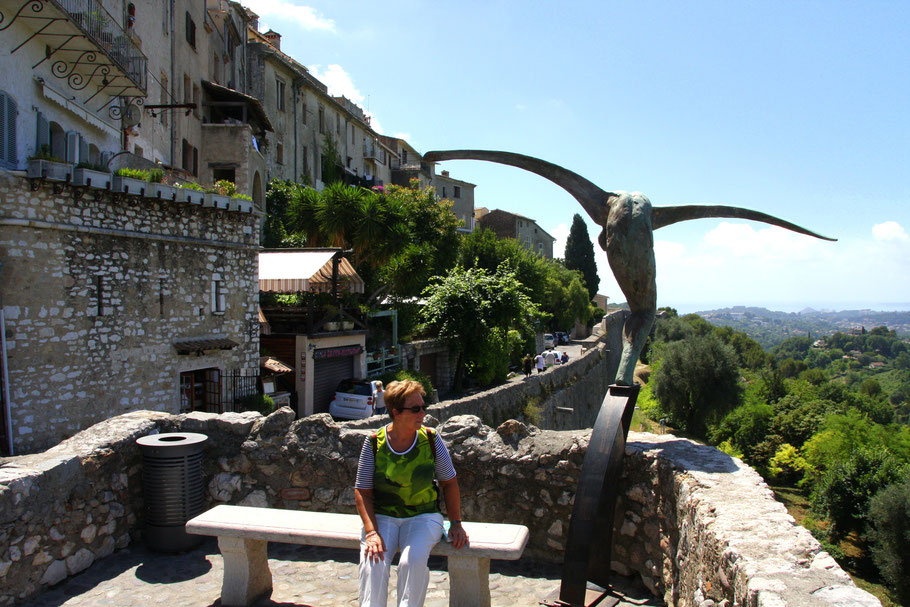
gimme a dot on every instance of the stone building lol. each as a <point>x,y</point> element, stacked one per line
<point>304,115</point>
<point>524,229</point>
<point>461,193</point>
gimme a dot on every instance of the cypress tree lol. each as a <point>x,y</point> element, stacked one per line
<point>580,254</point>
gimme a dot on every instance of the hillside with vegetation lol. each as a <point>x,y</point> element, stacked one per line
<point>823,419</point>
<point>770,328</point>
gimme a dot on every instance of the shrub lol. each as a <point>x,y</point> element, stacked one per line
<point>889,534</point>
<point>101,168</point>
<point>133,174</point>
<point>404,374</point>
<point>257,402</point>
<point>843,494</point>
<point>788,465</point>
<point>156,175</point>
<point>224,187</point>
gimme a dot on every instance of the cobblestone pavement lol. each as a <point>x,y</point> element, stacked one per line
<point>302,576</point>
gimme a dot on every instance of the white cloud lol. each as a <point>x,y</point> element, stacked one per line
<point>338,81</point>
<point>561,234</point>
<point>889,230</point>
<point>284,10</point>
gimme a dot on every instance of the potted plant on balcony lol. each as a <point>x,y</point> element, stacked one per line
<point>92,175</point>
<point>190,193</point>
<point>130,181</point>
<point>43,165</point>
<point>157,188</point>
<point>219,195</point>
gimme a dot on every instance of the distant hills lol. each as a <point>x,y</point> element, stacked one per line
<point>770,328</point>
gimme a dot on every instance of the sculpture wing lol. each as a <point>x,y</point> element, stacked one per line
<point>592,198</point>
<point>664,216</point>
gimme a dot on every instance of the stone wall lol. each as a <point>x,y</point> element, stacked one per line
<point>694,524</point>
<point>75,359</point>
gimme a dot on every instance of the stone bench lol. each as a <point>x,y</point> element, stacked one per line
<point>244,533</point>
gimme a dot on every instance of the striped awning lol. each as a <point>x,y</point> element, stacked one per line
<point>296,271</point>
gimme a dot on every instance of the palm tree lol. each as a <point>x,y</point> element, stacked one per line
<point>339,212</point>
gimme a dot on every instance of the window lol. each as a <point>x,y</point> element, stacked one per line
<point>337,124</point>
<point>404,156</point>
<point>138,151</point>
<point>190,158</point>
<point>306,162</point>
<point>100,299</point>
<point>279,153</point>
<point>190,30</point>
<point>7,131</point>
<point>218,293</point>
<point>443,191</point>
<point>187,89</point>
<point>196,100</point>
<point>224,173</point>
<point>279,93</point>
<point>457,191</point>
<point>321,120</point>
<point>352,133</point>
<point>348,161</point>
<point>163,98</point>
<point>304,110</point>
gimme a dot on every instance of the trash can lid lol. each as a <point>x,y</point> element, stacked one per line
<point>172,443</point>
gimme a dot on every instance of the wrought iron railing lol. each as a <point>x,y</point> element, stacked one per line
<point>93,19</point>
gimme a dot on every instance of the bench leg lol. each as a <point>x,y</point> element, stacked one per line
<point>469,581</point>
<point>246,571</point>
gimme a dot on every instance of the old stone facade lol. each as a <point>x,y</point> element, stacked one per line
<point>509,225</point>
<point>105,297</point>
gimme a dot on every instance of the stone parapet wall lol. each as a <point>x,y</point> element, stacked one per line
<point>694,524</point>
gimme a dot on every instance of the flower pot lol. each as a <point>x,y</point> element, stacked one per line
<point>190,196</point>
<point>216,201</point>
<point>242,204</point>
<point>91,178</point>
<point>48,169</point>
<point>161,191</point>
<point>347,325</point>
<point>128,185</point>
<point>331,326</point>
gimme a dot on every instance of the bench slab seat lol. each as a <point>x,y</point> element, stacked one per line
<point>243,534</point>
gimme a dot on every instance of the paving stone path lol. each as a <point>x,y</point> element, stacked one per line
<point>302,576</point>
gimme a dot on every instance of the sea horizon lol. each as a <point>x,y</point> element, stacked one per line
<point>790,307</point>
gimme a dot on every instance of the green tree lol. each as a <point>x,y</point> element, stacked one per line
<point>473,309</point>
<point>697,382</point>
<point>580,255</point>
<point>844,493</point>
<point>889,535</point>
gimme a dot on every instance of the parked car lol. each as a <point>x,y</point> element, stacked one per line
<point>562,337</point>
<point>357,399</point>
<point>549,342</point>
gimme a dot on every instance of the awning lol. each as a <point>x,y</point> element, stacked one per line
<point>273,364</point>
<point>189,346</point>
<point>296,271</point>
<point>222,93</point>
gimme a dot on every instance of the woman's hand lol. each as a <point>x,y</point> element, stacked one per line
<point>458,535</point>
<point>375,549</point>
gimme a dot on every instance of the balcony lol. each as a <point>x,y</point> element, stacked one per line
<point>86,44</point>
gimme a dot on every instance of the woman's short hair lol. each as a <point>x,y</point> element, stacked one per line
<point>397,392</point>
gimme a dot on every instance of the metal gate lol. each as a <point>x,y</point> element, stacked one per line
<point>327,373</point>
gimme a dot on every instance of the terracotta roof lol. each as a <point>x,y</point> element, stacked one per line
<point>189,346</point>
<point>274,365</point>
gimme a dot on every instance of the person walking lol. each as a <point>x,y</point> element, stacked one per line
<point>538,361</point>
<point>527,365</point>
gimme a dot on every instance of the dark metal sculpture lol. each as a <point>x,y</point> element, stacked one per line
<point>628,220</point>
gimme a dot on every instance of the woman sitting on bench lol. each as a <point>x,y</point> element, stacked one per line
<point>398,500</point>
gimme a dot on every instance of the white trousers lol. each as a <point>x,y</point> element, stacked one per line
<point>414,537</point>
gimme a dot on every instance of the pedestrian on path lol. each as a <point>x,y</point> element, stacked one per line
<point>528,365</point>
<point>538,360</point>
<point>550,358</point>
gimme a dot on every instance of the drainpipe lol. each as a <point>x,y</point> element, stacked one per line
<point>298,82</point>
<point>4,369</point>
<point>173,121</point>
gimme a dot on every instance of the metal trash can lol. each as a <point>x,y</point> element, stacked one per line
<point>173,489</point>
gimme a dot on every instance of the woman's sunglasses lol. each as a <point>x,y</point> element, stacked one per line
<point>414,409</point>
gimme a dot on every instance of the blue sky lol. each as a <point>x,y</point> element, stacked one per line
<point>797,109</point>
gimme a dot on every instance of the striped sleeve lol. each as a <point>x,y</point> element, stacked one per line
<point>444,468</point>
<point>365,466</point>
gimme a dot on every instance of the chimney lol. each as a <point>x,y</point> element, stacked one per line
<point>445,173</point>
<point>274,38</point>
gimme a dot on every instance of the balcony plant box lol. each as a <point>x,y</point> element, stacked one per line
<point>242,204</point>
<point>216,201</point>
<point>347,325</point>
<point>161,191</point>
<point>39,168</point>
<point>331,326</point>
<point>129,185</point>
<point>190,196</point>
<point>92,178</point>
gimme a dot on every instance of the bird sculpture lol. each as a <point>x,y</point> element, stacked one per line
<point>628,221</point>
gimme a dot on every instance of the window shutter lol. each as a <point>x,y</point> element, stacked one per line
<point>7,130</point>
<point>72,147</point>
<point>83,150</point>
<point>44,133</point>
